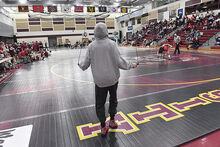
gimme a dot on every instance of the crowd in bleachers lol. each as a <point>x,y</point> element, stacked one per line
<point>14,54</point>
<point>154,31</point>
<point>193,28</point>
<point>196,26</point>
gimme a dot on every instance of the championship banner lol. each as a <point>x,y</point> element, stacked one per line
<point>66,9</point>
<point>78,9</point>
<point>38,8</point>
<point>23,8</point>
<point>102,9</point>
<point>113,10</point>
<point>91,9</point>
<point>124,10</point>
<point>52,8</point>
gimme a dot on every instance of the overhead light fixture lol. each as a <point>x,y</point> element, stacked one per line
<point>23,1</point>
<point>116,4</point>
<point>77,3</point>
<point>49,2</point>
<point>95,3</point>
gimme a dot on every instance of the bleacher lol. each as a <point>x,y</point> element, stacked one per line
<point>207,34</point>
<point>215,47</point>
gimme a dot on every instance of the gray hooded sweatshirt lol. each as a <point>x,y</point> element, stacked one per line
<point>104,58</point>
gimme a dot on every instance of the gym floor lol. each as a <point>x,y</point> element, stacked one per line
<point>162,103</point>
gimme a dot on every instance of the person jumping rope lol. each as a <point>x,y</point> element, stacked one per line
<point>105,60</point>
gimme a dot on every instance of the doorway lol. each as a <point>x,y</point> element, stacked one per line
<point>52,41</point>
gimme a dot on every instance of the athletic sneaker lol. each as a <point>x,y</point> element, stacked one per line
<point>113,124</point>
<point>104,131</point>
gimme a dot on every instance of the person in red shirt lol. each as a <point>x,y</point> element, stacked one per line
<point>1,49</point>
<point>46,54</point>
<point>24,46</point>
<point>35,46</point>
<point>189,27</point>
<point>1,44</point>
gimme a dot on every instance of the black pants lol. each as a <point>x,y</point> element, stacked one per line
<point>177,49</point>
<point>100,95</point>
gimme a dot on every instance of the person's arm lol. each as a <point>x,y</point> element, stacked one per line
<point>122,63</point>
<point>87,61</point>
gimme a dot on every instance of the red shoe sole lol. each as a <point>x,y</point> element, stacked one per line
<point>113,127</point>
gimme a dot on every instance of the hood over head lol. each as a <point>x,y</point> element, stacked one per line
<point>101,31</point>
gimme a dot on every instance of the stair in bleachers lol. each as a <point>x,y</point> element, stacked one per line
<point>215,47</point>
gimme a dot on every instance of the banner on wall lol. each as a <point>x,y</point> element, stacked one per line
<point>102,9</point>
<point>91,9</point>
<point>130,28</point>
<point>66,9</point>
<point>113,10</point>
<point>78,9</point>
<point>38,8</point>
<point>52,8</point>
<point>23,8</point>
<point>180,12</point>
<point>124,10</point>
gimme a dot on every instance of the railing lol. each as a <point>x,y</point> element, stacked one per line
<point>171,34</point>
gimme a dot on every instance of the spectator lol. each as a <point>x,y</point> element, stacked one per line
<point>218,40</point>
<point>36,46</point>
<point>46,47</point>
<point>169,38</point>
<point>195,43</point>
<point>188,41</point>
<point>41,45</point>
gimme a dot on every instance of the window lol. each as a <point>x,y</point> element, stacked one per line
<point>172,13</point>
<point>122,24</point>
<point>139,21</point>
<point>158,3</point>
<point>126,23</point>
<point>133,21</point>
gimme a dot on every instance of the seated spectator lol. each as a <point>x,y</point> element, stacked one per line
<point>36,46</point>
<point>198,34</point>
<point>189,27</point>
<point>169,38</point>
<point>195,43</point>
<point>207,15</point>
<point>1,50</point>
<point>206,23</point>
<point>218,40</point>
<point>148,42</point>
<point>211,18</point>
<point>41,45</point>
<point>214,25</point>
<point>188,41</point>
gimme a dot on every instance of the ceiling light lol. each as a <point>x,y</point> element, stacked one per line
<point>116,4</point>
<point>95,4</point>
<point>49,2</point>
<point>23,1</point>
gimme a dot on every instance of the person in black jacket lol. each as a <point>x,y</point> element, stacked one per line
<point>218,40</point>
<point>195,43</point>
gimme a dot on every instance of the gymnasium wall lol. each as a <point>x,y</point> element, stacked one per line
<point>6,26</point>
<point>29,29</point>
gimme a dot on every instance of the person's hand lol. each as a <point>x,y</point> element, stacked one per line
<point>79,65</point>
<point>134,65</point>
